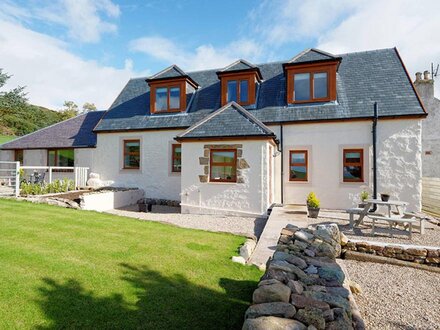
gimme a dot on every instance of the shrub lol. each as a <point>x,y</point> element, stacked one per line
<point>364,195</point>
<point>312,200</point>
<point>56,186</point>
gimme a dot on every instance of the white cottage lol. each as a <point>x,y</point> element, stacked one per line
<point>239,139</point>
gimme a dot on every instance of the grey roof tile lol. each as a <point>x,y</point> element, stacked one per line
<point>238,65</point>
<point>172,71</point>
<point>362,79</point>
<point>76,132</point>
<point>231,120</point>
<point>312,54</point>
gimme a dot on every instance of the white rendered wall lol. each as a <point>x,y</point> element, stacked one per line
<point>399,161</point>
<point>154,176</point>
<point>248,198</point>
<point>7,155</point>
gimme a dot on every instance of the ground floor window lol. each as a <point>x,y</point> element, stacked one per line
<point>176,159</point>
<point>223,165</point>
<point>132,154</point>
<point>61,157</point>
<point>353,165</point>
<point>18,156</point>
<point>298,161</point>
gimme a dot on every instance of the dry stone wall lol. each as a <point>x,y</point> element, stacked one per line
<point>303,286</point>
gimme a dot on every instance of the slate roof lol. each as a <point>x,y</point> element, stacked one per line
<point>311,55</point>
<point>362,79</point>
<point>76,132</point>
<point>232,120</point>
<point>172,71</point>
<point>238,65</point>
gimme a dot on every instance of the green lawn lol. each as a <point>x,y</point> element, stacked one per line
<point>62,268</point>
<point>6,138</point>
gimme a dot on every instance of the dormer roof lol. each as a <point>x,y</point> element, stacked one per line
<point>231,120</point>
<point>313,55</point>
<point>241,66</point>
<point>171,72</point>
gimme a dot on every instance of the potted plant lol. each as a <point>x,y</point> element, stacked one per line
<point>312,205</point>
<point>385,197</point>
<point>364,196</point>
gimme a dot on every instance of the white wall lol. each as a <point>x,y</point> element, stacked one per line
<point>7,155</point>
<point>35,157</point>
<point>154,176</point>
<point>399,161</point>
<point>250,197</point>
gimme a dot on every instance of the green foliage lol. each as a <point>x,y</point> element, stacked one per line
<point>87,107</point>
<point>312,200</point>
<point>63,268</point>
<point>57,186</point>
<point>364,195</point>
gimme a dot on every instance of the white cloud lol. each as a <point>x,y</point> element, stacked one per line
<point>85,20</point>
<point>52,74</point>
<point>202,57</point>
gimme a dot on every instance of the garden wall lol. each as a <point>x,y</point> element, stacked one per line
<point>304,287</point>
<point>107,200</point>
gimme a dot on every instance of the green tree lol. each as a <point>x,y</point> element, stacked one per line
<point>13,98</point>
<point>70,109</point>
<point>87,107</point>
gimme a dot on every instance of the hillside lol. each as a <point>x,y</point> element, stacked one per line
<point>26,119</point>
<point>6,138</point>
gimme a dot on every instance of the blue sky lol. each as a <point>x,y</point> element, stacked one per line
<point>85,51</point>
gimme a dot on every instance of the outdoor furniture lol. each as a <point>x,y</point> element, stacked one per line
<point>393,222</point>
<point>400,206</point>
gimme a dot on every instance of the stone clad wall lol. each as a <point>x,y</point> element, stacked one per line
<point>420,255</point>
<point>304,287</point>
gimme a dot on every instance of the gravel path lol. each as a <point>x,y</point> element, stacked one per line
<point>245,226</point>
<point>396,297</point>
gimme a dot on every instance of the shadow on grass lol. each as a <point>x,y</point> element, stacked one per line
<point>170,302</point>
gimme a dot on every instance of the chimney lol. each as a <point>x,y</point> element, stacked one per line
<point>425,87</point>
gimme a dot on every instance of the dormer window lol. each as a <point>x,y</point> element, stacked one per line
<point>169,89</point>
<point>311,77</point>
<point>239,82</point>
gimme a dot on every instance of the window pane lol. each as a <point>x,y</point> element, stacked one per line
<point>161,99</point>
<point>132,147</point>
<point>232,90</point>
<point>223,173</point>
<point>131,154</point>
<point>65,157</point>
<point>131,161</point>
<point>353,173</point>
<point>177,159</point>
<point>244,91</point>
<point>302,87</point>
<point>353,157</point>
<point>320,85</point>
<point>223,157</point>
<point>175,98</point>
<point>298,172</point>
<point>19,156</point>
<point>299,157</point>
<point>51,156</point>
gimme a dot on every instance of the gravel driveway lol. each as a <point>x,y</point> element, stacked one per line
<point>245,226</point>
<point>396,297</point>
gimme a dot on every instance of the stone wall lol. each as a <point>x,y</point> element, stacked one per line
<point>420,255</point>
<point>304,287</point>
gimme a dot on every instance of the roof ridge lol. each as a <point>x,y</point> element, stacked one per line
<point>173,66</point>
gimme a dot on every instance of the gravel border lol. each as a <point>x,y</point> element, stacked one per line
<point>396,297</point>
<point>244,226</point>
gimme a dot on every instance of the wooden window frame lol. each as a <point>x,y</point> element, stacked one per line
<point>306,164</point>
<point>56,159</point>
<point>312,68</point>
<point>173,157</point>
<point>124,142</point>
<point>16,152</point>
<point>251,79</point>
<point>211,164</point>
<point>181,83</point>
<point>361,164</point>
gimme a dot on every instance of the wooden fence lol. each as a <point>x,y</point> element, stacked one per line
<point>431,195</point>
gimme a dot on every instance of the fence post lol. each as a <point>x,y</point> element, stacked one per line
<point>50,174</point>
<point>17,179</point>
<point>75,170</point>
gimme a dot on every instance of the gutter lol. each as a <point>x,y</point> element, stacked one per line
<point>281,144</point>
<point>374,133</point>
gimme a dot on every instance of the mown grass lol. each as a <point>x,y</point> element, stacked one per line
<point>63,268</point>
<point>6,138</point>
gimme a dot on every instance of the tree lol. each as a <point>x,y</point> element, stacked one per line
<point>13,98</point>
<point>69,110</point>
<point>87,107</point>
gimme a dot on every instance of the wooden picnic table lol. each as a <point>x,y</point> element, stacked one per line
<point>400,206</point>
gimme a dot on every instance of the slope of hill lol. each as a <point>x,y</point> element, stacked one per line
<point>6,138</point>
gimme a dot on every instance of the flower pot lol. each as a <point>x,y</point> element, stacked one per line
<point>313,212</point>
<point>385,197</point>
<point>362,205</point>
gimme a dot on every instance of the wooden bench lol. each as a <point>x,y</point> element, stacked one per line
<point>393,222</point>
<point>355,210</point>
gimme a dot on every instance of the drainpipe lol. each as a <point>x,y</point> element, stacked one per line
<point>282,163</point>
<point>374,131</point>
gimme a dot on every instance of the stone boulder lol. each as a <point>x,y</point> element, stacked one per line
<point>311,316</point>
<point>273,323</point>
<point>276,292</point>
<point>279,309</point>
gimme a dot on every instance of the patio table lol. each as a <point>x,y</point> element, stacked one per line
<point>400,207</point>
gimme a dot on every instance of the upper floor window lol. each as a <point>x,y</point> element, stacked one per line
<point>353,165</point>
<point>238,91</point>
<point>132,154</point>
<point>315,82</point>
<point>167,97</point>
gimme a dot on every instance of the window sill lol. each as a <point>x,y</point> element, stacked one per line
<point>130,168</point>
